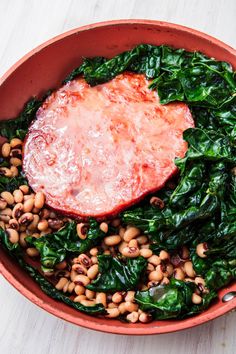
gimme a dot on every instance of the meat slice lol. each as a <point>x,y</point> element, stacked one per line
<point>94,151</point>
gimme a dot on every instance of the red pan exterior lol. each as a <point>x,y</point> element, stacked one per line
<point>44,68</point>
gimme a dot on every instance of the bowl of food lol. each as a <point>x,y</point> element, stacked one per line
<point>118,180</point>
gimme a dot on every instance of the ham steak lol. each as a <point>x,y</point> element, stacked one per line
<point>94,151</point>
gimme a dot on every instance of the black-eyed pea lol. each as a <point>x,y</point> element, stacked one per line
<point>28,205</point>
<point>90,294</point>
<point>16,143</point>
<point>66,286</point>
<point>92,271</point>
<point>85,260</point>
<point>122,308</point>
<point>81,279</point>
<point>199,281</point>
<point>112,240</point>
<point>133,243</point>
<point>131,306</point>
<point>82,230</point>
<point>6,172</point>
<point>130,252</point>
<point>6,149</point>
<point>33,225</point>
<point>39,200</point>
<point>117,297</point>
<point>6,212</point>
<point>169,269</point>
<point>122,245</point>
<point>55,224</point>
<point>129,297</point>
<point>164,255</point>
<point>73,274</point>
<point>132,317</point>
<point>94,259</point>
<point>107,252</point>
<point>184,253</point>
<point>13,235</point>
<point>79,268</point>
<point>32,252</point>
<point>71,287</point>
<point>42,225</point>
<point>93,251</point>
<point>112,305</point>
<point>146,246</point>
<point>145,252</point>
<point>155,275</point>
<point>201,249</point>
<point>122,232</point>
<point>142,240</point>
<point>17,211</point>
<point>112,313</point>
<point>188,268</point>
<point>61,265</point>
<point>104,227</point>
<point>79,289</point>
<point>165,281</point>
<point>15,161</point>
<point>8,197</point>
<point>179,274</point>
<point>2,225</point>
<point>35,210</point>
<point>24,188</point>
<point>80,298</point>
<point>196,299</point>
<point>18,196</point>
<point>3,204</point>
<point>131,233</point>
<point>13,223</point>
<point>145,317</point>
<point>88,302</point>
<point>14,171</point>
<point>101,298</point>
<point>150,267</point>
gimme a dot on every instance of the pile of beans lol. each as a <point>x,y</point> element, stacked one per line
<point>24,213</point>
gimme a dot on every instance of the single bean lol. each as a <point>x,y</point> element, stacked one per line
<point>35,210</point>
<point>112,240</point>
<point>165,281</point>
<point>13,235</point>
<point>122,308</point>
<point>13,223</point>
<point>156,275</point>
<point>87,302</point>
<point>201,249</point>
<point>39,200</point>
<point>133,243</point>
<point>188,268</point>
<point>5,218</point>
<point>15,161</point>
<point>71,287</point>
<point>169,269</point>
<point>121,232</point>
<point>122,245</point>
<point>79,298</point>
<point>117,297</point>
<point>129,297</point>
<point>131,306</point>
<point>16,153</point>
<point>24,189</point>
<point>101,298</point>
<point>93,251</point>
<point>18,196</point>
<point>81,279</point>
<point>157,202</point>
<point>184,253</point>
<point>112,313</point>
<point>199,280</point>
<point>196,299</point>
<point>146,253</point>
<point>26,219</point>
<point>146,246</point>
<point>6,149</point>
<point>14,171</point>
<point>15,143</point>
<point>73,274</point>
<point>55,224</point>
<point>33,225</point>
<point>131,233</point>
<point>79,289</point>
<point>42,225</point>
<point>32,252</point>
<point>6,172</point>
<point>85,260</point>
<point>65,287</point>
<point>22,241</point>
<point>6,212</point>
<point>28,205</point>
<point>130,252</point>
<point>104,227</point>
<point>132,317</point>
<point>81,230</point>
<point>92,271</point>
<point>94,259</point>
<point>112,305</point>
<point>142,240</point>
<point>8,197</point>
<point>164,255</point>
<point>61,265</point>
<point>3,204</point>
<point>150,267</point>
<point>145,317</point>
<point>90,294</point>
<point>179,274</point>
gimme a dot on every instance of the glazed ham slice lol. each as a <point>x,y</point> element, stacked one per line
<point>94,151</point>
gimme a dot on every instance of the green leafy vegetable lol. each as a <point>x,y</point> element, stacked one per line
<point>172,301</point>
<point>118,275</point>
<point>55,247</point>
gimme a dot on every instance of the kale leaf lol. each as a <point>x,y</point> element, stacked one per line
<point>117,274</point>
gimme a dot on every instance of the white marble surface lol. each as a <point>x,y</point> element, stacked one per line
<point>24,328</point>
